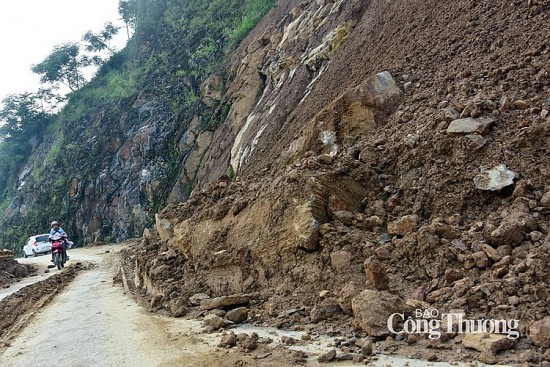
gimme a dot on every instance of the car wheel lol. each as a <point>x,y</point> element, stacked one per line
<point>34,253</point>
<point>25,255</point>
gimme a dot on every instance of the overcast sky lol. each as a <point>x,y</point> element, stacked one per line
<point>29,29</point>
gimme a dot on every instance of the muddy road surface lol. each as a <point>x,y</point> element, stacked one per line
<point>80,317</point>
<point>92,322</point>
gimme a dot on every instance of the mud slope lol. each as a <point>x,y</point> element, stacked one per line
<point>350,162</point>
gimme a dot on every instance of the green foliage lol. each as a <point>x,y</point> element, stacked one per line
<point>127,10</point>
<point>254,12</point>
<point>98,42</point>
<point>22,121</point>
<point>229,172</point>
<point>63,66</point>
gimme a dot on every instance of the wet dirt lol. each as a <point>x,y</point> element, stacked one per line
<point>80,317</point>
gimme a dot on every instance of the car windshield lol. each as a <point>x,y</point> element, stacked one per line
<point>42,238</point>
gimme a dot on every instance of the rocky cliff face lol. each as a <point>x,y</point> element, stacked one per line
<point>139,156</point>
<point>372,150</point>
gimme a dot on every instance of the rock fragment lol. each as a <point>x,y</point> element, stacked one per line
<point>225,301</point>
<point>494,179</point>
<point>470,125</point>
<point>485,342</point>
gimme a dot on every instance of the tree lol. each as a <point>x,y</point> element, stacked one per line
<point>127,10</point>
<point>22,115</point>
<point>98,42</point>
<point>22,122</point>
<point>63,66</point>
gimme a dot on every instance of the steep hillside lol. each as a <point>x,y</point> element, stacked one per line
<point>392,153</point>
<point>132,139</point>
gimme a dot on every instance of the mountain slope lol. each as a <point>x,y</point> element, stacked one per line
<point>351,173</point>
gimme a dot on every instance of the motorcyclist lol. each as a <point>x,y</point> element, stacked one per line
<point>55,228</point>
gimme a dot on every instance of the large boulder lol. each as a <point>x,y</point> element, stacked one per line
<point>372,310</point>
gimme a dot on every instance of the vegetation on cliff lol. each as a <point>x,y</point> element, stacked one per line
<point>174,47</point>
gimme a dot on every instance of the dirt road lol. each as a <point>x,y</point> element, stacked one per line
<point>93,322</point>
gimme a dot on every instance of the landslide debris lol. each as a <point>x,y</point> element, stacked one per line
<point>20,306</point>
<point>11,270</point>
<point>354,177</point>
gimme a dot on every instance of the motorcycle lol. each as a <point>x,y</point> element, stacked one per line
<point>58,250</point>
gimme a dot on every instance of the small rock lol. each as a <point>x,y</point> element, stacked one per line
<point>545,200</point>
<point>412,339</point>
<point>530,356</point>
<point>345,296</point>
<point>218,312</point>
<point>226,301</point>
<point>340,260</point>
<point>547,354</point>
<point>248,342</point>
<point>470,125</point>
<point>488,357</point>
<point>481,260</point>
<point>467,111</point>
<point>196,299</point>
<point>488,342</point>
<point>344,216</point>
<point>358,358</point>
<point>327,357</point>
<point>494,179</point>
<point>177,307</point>
<point>540,332</point>
<point>513,300</point>
<point>306,337</point>
<point>325,159</point>
<point>237,315</point>
<point>444,230</point>
<point>544,113</point>
<point>345,357</point>
<point>512,228</point>
<point>432,357</point>
<point>407,87</point>
<point>228,341</point>
<point>491,252</point>
<point>520,104</point>
<point>288,340</point>
<point>327,309</point>
<point>323,293</point>
<point>214,321</point>
<point>383,252</point>
<point>403,225</point>
<point>376,274</point>
<point>372,309</point>
<point>476,141</point>
<point>451,114</point>
<point>535,236</point>
<point>366,348</point>
<point>505,104</point>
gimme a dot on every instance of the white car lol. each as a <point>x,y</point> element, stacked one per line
<point>38,244</point>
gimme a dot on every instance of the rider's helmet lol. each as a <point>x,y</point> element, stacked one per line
<point>55,223</point>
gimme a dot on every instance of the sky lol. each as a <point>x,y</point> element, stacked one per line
<point>29,30</point>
